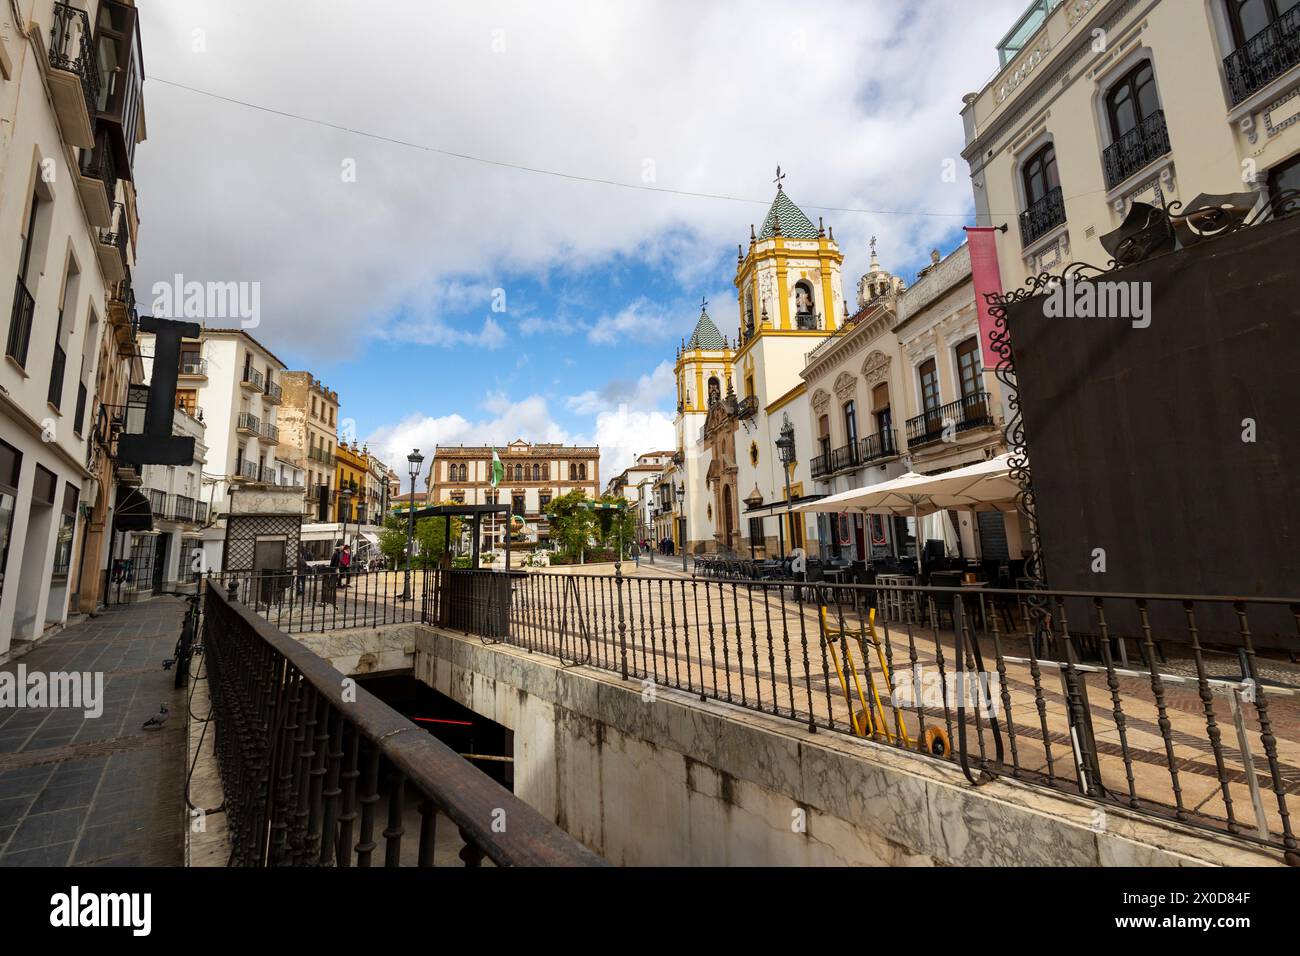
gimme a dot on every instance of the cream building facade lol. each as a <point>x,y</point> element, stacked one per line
<point>1101,103</point>
<point>309,438</point>
<point>71,80</point>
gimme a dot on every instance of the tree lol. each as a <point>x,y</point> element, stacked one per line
<point>615,528</point>
<point>429,539</point>
<point>571,524</point>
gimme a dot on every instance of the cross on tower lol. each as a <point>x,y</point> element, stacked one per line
<point>779,176</point>
<point>704,303</point>
<point>873,245</point>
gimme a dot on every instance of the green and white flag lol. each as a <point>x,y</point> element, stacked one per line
<point>498,469</point>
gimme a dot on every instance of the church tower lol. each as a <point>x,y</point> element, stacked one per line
<point>703,371</point>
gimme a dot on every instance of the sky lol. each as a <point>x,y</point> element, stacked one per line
<point>470,219</point>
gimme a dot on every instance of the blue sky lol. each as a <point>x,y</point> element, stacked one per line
<point>382,185</point>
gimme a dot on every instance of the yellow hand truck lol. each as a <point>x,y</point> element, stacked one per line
<point>863,721</point>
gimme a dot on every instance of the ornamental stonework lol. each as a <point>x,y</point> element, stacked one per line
<point>845,385</point>
<point>875,369</point>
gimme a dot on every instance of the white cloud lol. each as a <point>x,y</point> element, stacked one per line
<point>624,433</point>
<point>660,93</point>
<point>648,391</point>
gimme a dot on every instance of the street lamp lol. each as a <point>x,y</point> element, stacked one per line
<point>681,498</point>
<point>785,449</point>
<point>414,462</point>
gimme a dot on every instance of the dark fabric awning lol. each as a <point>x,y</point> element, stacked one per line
<point>132,512</point>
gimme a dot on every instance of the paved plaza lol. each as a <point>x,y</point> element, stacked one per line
<point>99,791</point>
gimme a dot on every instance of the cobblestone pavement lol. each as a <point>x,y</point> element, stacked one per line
<point>99,791</point>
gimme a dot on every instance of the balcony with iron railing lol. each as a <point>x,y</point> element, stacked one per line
<point>253,379</point>
<point>112,247</point>
<point>20,323</point>
<point>247,424</point>
<point>74,73</point>
<point>97,182</point>
<point>820,466</point>
<point>747,407</point>
<point>193,367</point>
<point>1042,216</point>
<point>270,433</point>
<point>1264,57</point>
<point>200,512</point>
<point>320,455</point>
<point>274,394</point>
<point>844,457</point>
<point>1135,150</point>
<point>246,471</point>
<point>878,447</point>
<point>937,424</point>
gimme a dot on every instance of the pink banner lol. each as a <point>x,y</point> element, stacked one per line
<point>986,279</point>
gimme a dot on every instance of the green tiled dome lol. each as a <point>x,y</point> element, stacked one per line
<point>706,335</point>
<point>794,224</point>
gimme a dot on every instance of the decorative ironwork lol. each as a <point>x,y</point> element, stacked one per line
<point>1042,216</point>
<point>1151,230</point>
<point>969,411</point>
<point>71,49</point>
<point>243,531</point>
<point>1264,57</point>
<point>883,444</point>
<point>1138,148</point>
<point>20,323</point>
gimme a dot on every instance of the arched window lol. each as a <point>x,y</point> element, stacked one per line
<point>582,472</point>
<point>715,390</point>
<point>1132,100</point>
<point>519,472</point>
<point>573,472</point>
<point>1044,207</point>
<point>537,472</point>
<point>805,310</point>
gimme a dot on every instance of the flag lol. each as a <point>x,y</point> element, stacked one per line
<point>498,469</point>
<point>986,279</point>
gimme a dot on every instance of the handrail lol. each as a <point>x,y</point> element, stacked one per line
<point>263,698</point>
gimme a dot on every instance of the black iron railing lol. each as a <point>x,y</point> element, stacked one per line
<point>747,407</point>
<point>273,391</point>
<point>248,422</point>
<point>821,465</point>
<point>846,456</point>
<point>881,445</point>
<point>270,433</point>
<point>20,323</point>
<point>971,411</point>
<point>118,234</point>
<point>254,378</point>
<point>247,470</point>
<point>306,758</point>
<point>1138,148</point>
<point>194,366</point>
<point>1264,57</point>
<point>1042,216</point>
<point>98,163</point>
<point>72,49</point>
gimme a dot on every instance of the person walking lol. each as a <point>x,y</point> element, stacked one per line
<point>304,569</point>
<point>345,562</point>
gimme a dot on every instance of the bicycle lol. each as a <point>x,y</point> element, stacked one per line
<point>185,643</point>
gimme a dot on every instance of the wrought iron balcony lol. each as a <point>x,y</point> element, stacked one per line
<point>1042,216</point>
<point>194,367</point>
<point>99,175</point>
<point>270,433</point>
<point>1138,148</point>
<point>253,379</point>
<point>821,465</point>
<point>200,512</point>
<point>320,455</point>
<point>972,411</point>
<point>248,424</point>
<point>20,323</point>
<point>878,446</point>
<point>71,50</point>
<point>1264,57</point>
<point>246,471</point>
<point>180,508</point>
<point>747,407</point>
<point>846,456</point>
<point>273,392</point>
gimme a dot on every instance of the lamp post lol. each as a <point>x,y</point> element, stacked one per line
<point>414,462</point>
<point>681,499</point>
<point>785,449</point>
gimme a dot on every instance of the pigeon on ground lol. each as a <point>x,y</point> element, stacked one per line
<point>157,720</point>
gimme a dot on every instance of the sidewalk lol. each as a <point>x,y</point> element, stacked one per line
<point>99,791</point>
